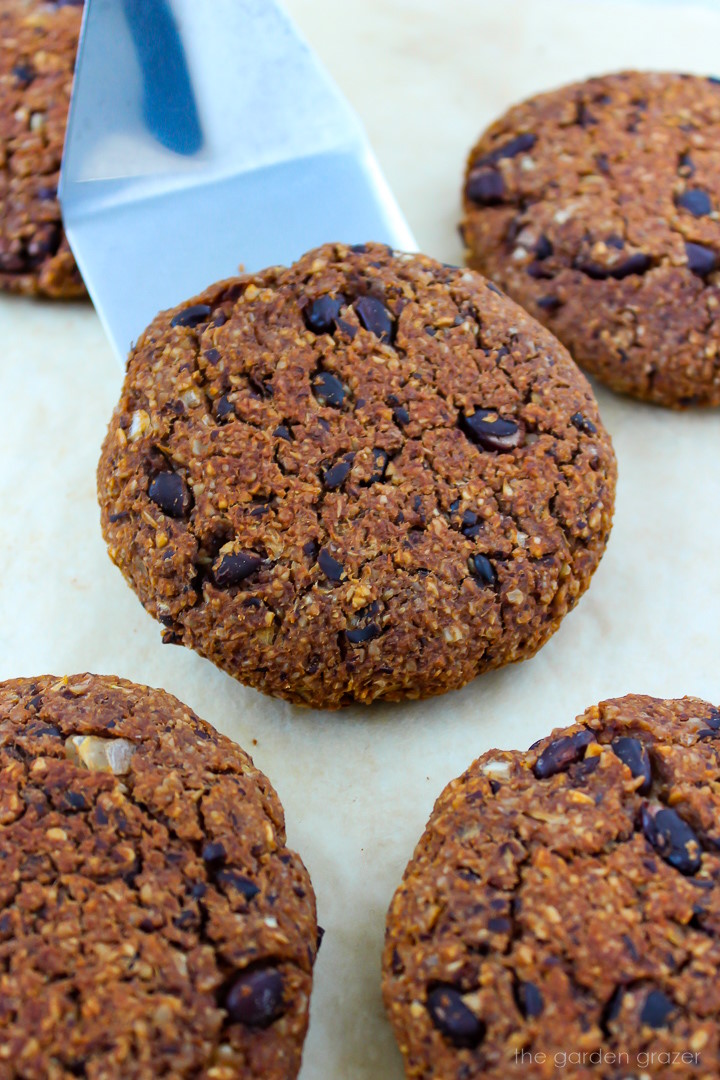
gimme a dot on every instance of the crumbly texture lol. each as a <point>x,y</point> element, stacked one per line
<point>366,476</point>
<point>152,920</point>
<point>38,42</point>
<point>597,207</point>
<point>566,901</point>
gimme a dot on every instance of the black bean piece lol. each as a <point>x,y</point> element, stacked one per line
<point>282,432</point>
<point>375,317</point>
<point>212,356</point>
<point>638,263</point>
<point>696,201</point>
<point>241,884</point>
<point>359,249</point>
<point>24,74</point>
<point>336,475</point>
<point>701,260</point>
<point>485,187</point>
<point>582,423</point>
<point>519,145</point>
<point>713,720</point>
<point>672,838</point>
<point>401,416</point>
<point>634,754</point>
<point>170,492</point>
<point>380,465</point>
<point>451,1016</point>
<point>319,938</point>
<point>320,317</point>
<point>561,753</point>
<point>328,389</point>
<point>593,270</point>
<point>529,999</point>
<point>358,635</point>
<point>603,163</point>
<point>686,165</point>
<point>255,998</point>
<point>482,569</point>
<point>214,853</point>
<point>369,610</point>
<point>583,116</point>
<point>75,800</point>
<point>192,316</point>
<point>549,302</point>
<point>490,431</point>
<point>234,568</point>
<point>657,1009</point>
<point>183,921</point>
<point>37,730</point>
<point>585,768</point>
<point>494,288</point>
<point>259,388</point>
<point>543,248</point>
<point>224,408</point>
<point>45,241</point>
<point>612,1008</point>
<point>331,568</point>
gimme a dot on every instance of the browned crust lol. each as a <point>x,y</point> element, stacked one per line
<point>121,930</point>
<point>600,180</point>
<point>552,883</point>
<point>228,406</point>
<point>38,41</point>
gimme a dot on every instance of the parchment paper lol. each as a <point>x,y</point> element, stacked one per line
<point>358,786</point>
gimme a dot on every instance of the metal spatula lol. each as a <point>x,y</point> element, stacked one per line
<point>203,136</point>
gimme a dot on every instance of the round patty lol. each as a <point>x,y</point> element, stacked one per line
<point>366,476</point>
<point>597,207</point>
<point>152,920</point>
<point>38,42</point>
<point>562,909</point>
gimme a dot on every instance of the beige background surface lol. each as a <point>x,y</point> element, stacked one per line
<point>358,787</point>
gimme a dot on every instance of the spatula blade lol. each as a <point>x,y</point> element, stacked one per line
<point>201,137</point>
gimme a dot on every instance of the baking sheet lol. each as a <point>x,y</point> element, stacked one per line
<point>358,786</point>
